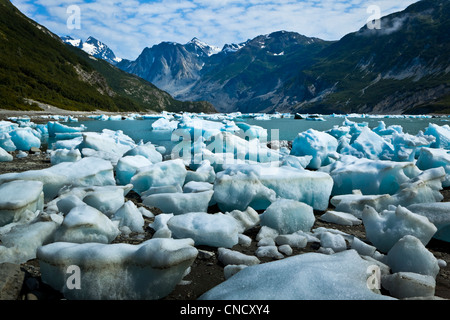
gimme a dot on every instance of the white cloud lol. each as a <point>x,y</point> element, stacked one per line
<point>130,26</point>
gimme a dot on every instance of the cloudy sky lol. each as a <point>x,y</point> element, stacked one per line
<point>127,27</point>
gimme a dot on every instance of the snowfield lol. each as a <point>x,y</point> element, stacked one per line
<point>214,180</point>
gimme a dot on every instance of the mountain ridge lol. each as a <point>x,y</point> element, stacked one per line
<point>36,65</point>
<point>402,67</point>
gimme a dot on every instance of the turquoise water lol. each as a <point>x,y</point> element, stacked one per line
<point>288,127</point>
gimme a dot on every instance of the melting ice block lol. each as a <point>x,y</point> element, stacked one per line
<point>162,174</point>
<point>179,203</point>
<point>64,155</point>
<point>86,224</point>
<point>386,228</point>
<point>22,241</point>
<point>215,230</point>
<point>25,138</point>
<point>288,216</point>
<point>319,145</point>
<point>240,186</point>
<point>309,276</point>
<point>409,285</point>
<point>86,172</point>
<point>371,177</point>
<point>410,255</point>
<point>129,215</point>
<point>147,150</point>
<point>148,271</point>
<point>127,167</point>
<point>16,197</point>
<point>424,188</point>
<point>439,214</point>
<point>5,156</point>
<point>434,158</point>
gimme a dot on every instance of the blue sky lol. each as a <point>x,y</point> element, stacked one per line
<point>127,27</point>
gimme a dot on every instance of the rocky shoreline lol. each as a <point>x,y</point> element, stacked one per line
<point>23,282</point>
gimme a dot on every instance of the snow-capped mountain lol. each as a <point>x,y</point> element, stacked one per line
<point>201,48</point>
<point>93,47</point>
<point>172,67</point>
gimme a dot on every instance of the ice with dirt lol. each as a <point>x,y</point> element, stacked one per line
<point>215,230</point>
<point>148,271</point>
<point>341,276</point>
<point>241,186</point>
<point>88,171</point>
<point>384,229</point>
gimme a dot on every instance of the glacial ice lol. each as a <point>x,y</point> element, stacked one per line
<point>148,271</point>
<point>320,145</point>
<point>437,213</point>
<point>424,188</point>
<point>22,241</point>
<point>371,177</point>
<point>128,166</point>
<point>128,215</point>
<point>384,229</point>
<point>5,156</point>
<point>64,155</point>
<point>409,254</point>
<point>167,173</point>
<point>179,203</point>
<point>86,172</point>
<point>215,230</point>
<point>240,186</point>
<point>288,216</point>
<point>86,224</point>
<point>25,138</point>
<point>19,196</point>
<point>312,276</point>
<point>404,285</point>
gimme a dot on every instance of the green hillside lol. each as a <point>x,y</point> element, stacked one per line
<point>35,65</point>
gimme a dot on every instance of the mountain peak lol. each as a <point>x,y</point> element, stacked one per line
<point>93,47</point>
<point>207,49</point>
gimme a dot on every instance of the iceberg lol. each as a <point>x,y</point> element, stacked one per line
<point>129,215</point>
<point>435,158</point>
<point>240,186</point>
<point>288,216</point>
<point>86,172</point>
<point>5,156</point>
<point>147,150</point>
<point>148,271</point>
<point>404,285</point>
<point>128,166</point>
<point>19,196</point>
<point>179,203</point>
<point>64,155</point>
<point>86,224</point>
<point>424,188</point>
<point>107,199</point>
<point>385,229</point>
<point>409,254</point>
<point>438,213</point>
<point>162,174</point>
<point>320,145</point>
<point>25,138</point>
<point>309,276</point>
<point>442,135</point>
<point>21,243</point>
<point>371,177</point>
<point>214,230</point>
